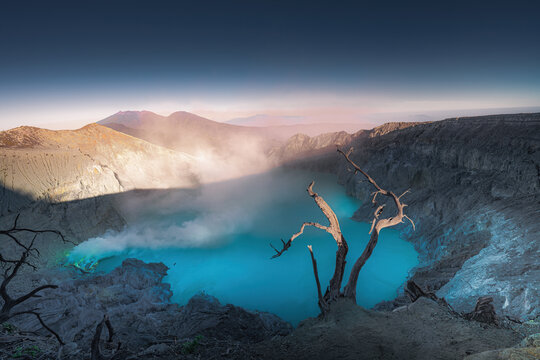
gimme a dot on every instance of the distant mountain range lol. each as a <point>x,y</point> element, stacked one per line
<point>188,132</point>
<point>292,125</point>
<point>268,120</point>
<point>369,120</point>
<point>182,131</point>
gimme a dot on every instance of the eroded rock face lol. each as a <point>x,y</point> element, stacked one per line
<point>475,190</point>
<point>138,305</point>
<point>300,144</point>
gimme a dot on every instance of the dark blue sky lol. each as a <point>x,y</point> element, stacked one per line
<point>207,54</point>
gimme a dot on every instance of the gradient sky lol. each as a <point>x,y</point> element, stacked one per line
<point>64,64</point>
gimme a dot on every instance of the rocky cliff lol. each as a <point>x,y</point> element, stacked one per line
<point>475,193</point>
<point>301,145</point>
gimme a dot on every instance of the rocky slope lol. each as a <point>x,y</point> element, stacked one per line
<point>144,320</point>
<point>475,193</point>
<point>301,145</point>
<point>423,330</point>
<point>58,166</point>
<point>148,326</point>
<point>528,349</point>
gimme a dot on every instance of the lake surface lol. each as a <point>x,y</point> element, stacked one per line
<point>216,239</point>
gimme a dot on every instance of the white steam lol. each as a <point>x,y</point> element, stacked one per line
<point>204,230</point>
<point>199,184</point>
<point>205,217</point>
<point>243,156</point>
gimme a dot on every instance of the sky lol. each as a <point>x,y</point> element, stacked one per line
<point>67,63</point>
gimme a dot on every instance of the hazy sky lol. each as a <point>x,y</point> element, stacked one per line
<point>63,64</point>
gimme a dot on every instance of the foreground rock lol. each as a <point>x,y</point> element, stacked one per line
<point>422,330</point>
<point>137,303</point>
<point>148,326</point>
<point>528,349</point>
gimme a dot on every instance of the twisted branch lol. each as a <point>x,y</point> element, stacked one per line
<point>376,226</point>
<point>323,305</point>
<point>287,245</point>
<point>11,269</point>
<point>333,229</point>
<point>95,347</point>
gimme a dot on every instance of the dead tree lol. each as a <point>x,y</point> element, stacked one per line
<point>95,347</point>
<point>11,269</point>
<point>414,292</point>
<point>484,311</point>
<point>334,289</point>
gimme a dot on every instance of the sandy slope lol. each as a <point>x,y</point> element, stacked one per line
<point>39,164</point>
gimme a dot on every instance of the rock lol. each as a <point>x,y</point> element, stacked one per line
<point>529,350</point>
<point>484,311</point>
<point>158,349</point>
<point>69,351</point>
<point>423,330</point>
<point>204,315</point>
<point>139,308</point>
<point>531,341</point>
<point>300,145</point>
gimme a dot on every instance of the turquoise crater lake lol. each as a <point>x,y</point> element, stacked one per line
<point>216,239</point>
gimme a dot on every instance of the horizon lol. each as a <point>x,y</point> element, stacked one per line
<point>349,63</point>
<point>370,122</point>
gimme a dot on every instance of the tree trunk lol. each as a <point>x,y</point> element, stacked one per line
<point>350,288</point>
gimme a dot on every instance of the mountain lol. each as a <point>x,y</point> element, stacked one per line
<point>474,193</point>
<point>194,134</point>
<point>223,151</point>
<point>263,120</point>
<point>58,166</point>
<point>283,127</point>
<point>301,146</point>
<point>186,132</point>
<point>284,132</point>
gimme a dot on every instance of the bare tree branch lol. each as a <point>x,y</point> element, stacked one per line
<point>287,245</point>
<point>412,222</point>
<point>15,229</point>
<point>333,229</point>
<point>38,316</point>
<point>95,347</point>
<point>377,226</point>
<point>414,292</point>
<point>12,268</point>
<point>323,305</point>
